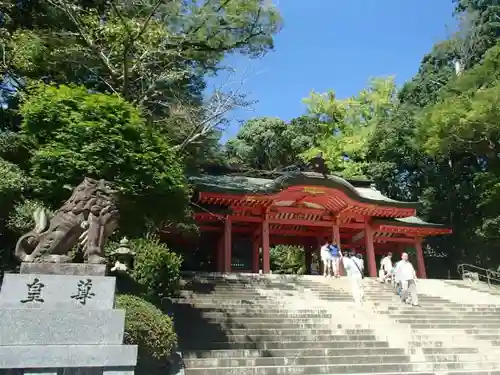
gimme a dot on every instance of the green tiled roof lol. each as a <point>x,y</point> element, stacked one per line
<point>409,221</point>
<point>237,184</point>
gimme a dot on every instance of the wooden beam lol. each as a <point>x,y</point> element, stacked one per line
<point>394,239</point>
<point>275,232</point>
<point>247,219</point>
<point>358,236</point>
<point>299,210</point>
<point>306,223</point>
<point>208,217</point>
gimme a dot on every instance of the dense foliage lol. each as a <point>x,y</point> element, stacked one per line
<point>151,330</point>
<point>21,219</point>
<point>74,133</point>
<point>271,143</point>
<point>156,269</point>
<point>287,260</point>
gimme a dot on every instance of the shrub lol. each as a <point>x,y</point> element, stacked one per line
<point>288,259</point>
<point>151,330</point>
<point>21,218</point>
<point>12,184</point>
<point>156,268</point>
<point>75,133</point>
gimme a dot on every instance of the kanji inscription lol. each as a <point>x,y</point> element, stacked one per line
<point>34,292</point>
<point>84,291</point>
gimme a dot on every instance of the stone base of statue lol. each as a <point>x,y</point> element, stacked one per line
<point>62,322</point>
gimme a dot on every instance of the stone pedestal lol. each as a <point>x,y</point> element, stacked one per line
<point>62,322</point>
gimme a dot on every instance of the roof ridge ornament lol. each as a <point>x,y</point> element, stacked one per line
<point>318,165</point>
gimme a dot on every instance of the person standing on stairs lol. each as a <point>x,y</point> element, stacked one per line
<point>385,268</point>
<point>326,258</point>
<point>335,256</point>
<point>354,268</point>
<point>407,276</point>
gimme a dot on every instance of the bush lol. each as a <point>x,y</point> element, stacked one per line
<point>156,268</point>
<point>151,330</point>
<point>75,133</point>
<point>288,259</point>
<point>12,183</point>
<point>21,218</point>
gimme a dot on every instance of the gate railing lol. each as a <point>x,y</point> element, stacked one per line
<point>472,272</point>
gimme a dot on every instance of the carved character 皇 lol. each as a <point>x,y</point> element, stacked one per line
<point>87,219</point>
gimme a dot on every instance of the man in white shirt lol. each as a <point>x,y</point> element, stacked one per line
<point>354,269</point>
<point>326,258</point>
<point>406,274</point>
<point>385,268</point>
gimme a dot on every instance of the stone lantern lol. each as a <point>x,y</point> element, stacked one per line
<point>123,257</point>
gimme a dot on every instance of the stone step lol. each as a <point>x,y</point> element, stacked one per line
<point>263,338</point>
<point>274,316</point>
<point>306,352</point>
<point>227,293</point>
<point>448,338</point>
<point>405,368</point>
<point>292,345</point>
<point>418,315</point>
<point>271,301</point>
<point>284,306</point>
<point>307,360</point>
<point>268,320</point>
<point>243,309</point>
<point>447,372</point>
<point>294,361</point>
<point>447,307</point>
<point>267,326</point>
<point>317,331</point>
<point>449,320</point>
<point>452,325</point>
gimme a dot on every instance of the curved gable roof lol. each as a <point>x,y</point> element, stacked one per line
<point>243,185</point>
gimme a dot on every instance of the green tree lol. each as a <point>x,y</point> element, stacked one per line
<point>149,52</point>
<point>153,54</point>
<point>460,132</point>
<point>74,133</point>
<point>269,143</point>
<point>349,125</point>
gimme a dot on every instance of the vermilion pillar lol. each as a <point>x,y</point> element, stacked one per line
<point>220,254</point>
<point>266,261</point>
<point>420,260</point>
<point>255,255</point>
<point>370,250</point>
<point>227,244</point>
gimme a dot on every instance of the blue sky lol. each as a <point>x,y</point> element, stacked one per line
<point>339,45</point>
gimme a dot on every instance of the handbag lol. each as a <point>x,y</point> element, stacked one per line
<point>359,269</point>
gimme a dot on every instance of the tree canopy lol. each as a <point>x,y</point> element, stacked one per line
<point>270,143</point>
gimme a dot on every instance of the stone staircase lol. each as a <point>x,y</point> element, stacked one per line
<point>283,325</point>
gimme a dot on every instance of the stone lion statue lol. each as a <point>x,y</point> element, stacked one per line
<point>86,219</point>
